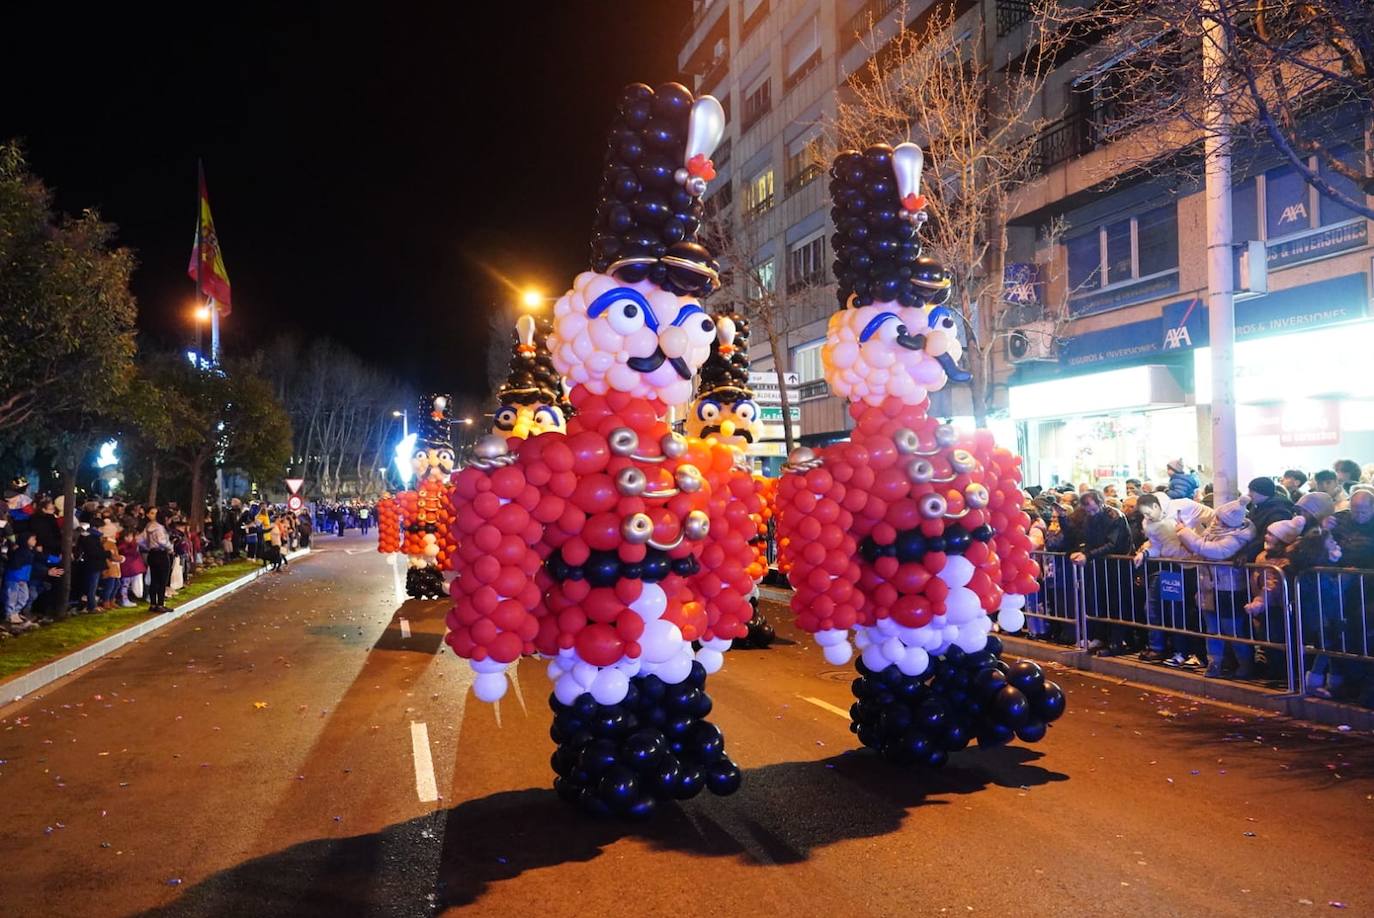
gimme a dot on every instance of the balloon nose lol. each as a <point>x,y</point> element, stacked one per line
<point>727,428</point>
<point>937,343</point>
<point>673,341</point>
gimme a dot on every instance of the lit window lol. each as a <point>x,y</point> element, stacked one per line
<point>806,362</point>
<point>759,193</point>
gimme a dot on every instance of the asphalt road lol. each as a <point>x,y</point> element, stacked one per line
<point>267,756</point>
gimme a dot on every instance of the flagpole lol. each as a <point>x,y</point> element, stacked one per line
<point>214,332</point>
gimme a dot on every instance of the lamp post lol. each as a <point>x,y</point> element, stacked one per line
<point>404,415</point>
<point>202,313</point>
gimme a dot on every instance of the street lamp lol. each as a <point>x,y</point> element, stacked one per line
<point>404,415</point>
<point>467,421</point>
<point>202,315</point>
<point>531,298</point>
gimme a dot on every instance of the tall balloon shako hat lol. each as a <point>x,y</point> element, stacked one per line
<point>649,208</point>
<point>433,424</point>
<point>532,378</point>
<point>725,374</point>
<point>877,211</point>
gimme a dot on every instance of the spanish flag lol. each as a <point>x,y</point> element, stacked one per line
<point>207,262</point>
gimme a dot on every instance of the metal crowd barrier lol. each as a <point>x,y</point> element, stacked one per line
<point>1333,624</point>
<point>1242,610</point>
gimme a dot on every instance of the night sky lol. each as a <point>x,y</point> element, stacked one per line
<point>370,175</point>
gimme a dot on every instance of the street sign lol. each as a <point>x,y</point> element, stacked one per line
<point>769,379</point>
<point>293,484</point>
<point>766,391</point>
<point>772,414</point>
<point>294,503</point>
<point>775,448</point>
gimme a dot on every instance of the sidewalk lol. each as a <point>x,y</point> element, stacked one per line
<point>16,688</point>
<point>1299,707</point>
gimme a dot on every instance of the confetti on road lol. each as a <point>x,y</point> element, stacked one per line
<point>259,705</point>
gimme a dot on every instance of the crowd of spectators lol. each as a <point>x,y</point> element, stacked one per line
<point>1122,547</point>
<point>123,554</point>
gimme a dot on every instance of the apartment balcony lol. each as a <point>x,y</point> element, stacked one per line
<point>1073,136</point>
<point>755,109</point>
<point>857,25</point>
<point>759,208</point>
<point>714,72</point>
<point>1011,13</point>
<point>801,73</point>
<point>806,282</point>
<point>805,176</point>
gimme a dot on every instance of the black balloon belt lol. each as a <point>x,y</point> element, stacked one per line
<point>912,544</point>
<point>604,568</point>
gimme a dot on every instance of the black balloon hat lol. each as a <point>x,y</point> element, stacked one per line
<point>877,209</point>
<point>726,372</point>
<point>432,421</point>
<point>532,378</point>
<point>649,208</point>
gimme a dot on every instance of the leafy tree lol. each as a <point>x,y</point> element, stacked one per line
<point>66,356</point>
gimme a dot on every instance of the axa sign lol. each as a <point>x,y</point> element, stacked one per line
<point>1176,316</point>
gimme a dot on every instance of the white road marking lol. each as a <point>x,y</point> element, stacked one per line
<point>405,628</point>
<point>825,705</point>
<point>425,787</point>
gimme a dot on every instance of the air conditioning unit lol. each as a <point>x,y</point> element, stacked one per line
<point>1034,341</point>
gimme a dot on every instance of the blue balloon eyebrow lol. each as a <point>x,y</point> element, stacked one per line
<point>939,312</point>
<point>685,313</point>
<point>603,302</point>
<point>874,324</point>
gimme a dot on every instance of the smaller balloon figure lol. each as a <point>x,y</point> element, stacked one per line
<point>424,514</point>
<point>724,412</point>
<point>908,536</point>
<point>532,398</point>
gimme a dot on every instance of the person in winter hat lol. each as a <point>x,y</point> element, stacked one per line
<point>1269,504</point>
<point>1182,483</point>
<point>1223,587</point>
<point>1160,519</point>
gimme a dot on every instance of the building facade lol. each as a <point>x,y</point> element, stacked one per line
<point>1105,370</point>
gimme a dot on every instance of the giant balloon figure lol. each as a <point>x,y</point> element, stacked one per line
<point>724,411</point>
<point>531,399</point>
<point>586,547</point>
<point>417,522</point>
<point>908,537</point>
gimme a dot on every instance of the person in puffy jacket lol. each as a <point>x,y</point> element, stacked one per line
<point>1182,483</point>
<point>1160,518</point>
<point>1102,533</point>
<point>1223,588</point>
<point>131,567</point>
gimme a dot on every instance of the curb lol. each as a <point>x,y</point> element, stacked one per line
<point>30,682</point>
<point>1298,707</point>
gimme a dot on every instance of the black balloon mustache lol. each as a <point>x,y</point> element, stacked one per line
<point>715,428</point>
<point>655,360</point>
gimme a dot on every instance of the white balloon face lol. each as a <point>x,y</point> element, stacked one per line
<point>885,350</point>
<point>635,338</point>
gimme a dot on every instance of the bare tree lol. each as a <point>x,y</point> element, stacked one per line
<point>1298,78</point>
<point>341,411</point>
<point>934,83</point>
<point>757,288</point>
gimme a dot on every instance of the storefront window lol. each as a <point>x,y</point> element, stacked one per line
<point>1245,210</point>
<point>1285,203</point>
<point>1085,260</point>
<point>1333,211</point>
<point>1119,252</point>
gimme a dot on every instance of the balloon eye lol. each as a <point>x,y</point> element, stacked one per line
<point>745,411</point>
<point>890,331</point>
<point>550,416</point>
<point>505,419</point>
<point>708,411</point>
<point>626,318</point>
<point>707,326</point>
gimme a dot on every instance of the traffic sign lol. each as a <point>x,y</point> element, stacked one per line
<point>293,484</point>
<point>294,503</point>
<point>772,414</point>
<point>766,391</point>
